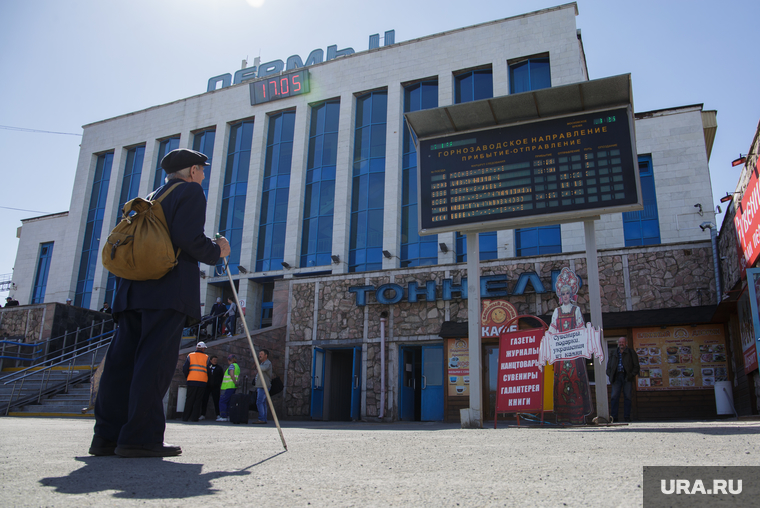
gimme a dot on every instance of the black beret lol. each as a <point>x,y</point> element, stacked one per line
<point>182,158</point>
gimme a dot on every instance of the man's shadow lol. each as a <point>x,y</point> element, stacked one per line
<point>140,478</point>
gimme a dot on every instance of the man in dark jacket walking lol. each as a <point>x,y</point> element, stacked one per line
<point>622,369</point>
<point>140,363</point>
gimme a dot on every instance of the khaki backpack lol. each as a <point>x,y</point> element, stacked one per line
<point>140,247</point>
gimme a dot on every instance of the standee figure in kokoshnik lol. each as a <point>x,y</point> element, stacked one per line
<point>572,393</point>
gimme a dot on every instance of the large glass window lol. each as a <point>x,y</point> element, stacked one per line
<point>643,227</point>
<point>90,246</point>
<point>468,87</point>
<point>235,189</point>
<point>319,198</point>
<point>416,250</point>
<point>531,74</point>
<point>165,147</point>
<point>203,142</point>
<point>368,183</point>
<point>43,268</point>
<point>130,187</point>
<point>534,74</point>
<point>274,198</point>
<point>540,240</point>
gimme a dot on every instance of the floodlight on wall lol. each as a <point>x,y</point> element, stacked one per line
<point>242,269</point>
<point>728,197</point>
<point>335,258</point>
<point>738,162</point>
<point>443,247</point>
<point>285,265</point>
<point>387,254</point>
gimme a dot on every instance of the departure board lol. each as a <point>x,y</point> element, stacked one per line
<point>564,169</point>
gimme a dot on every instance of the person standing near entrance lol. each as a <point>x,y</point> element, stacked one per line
<point>213,387</point>
<point>229,384</point>
<point>622,369</point>
<point>260,382</point>
<point>140,362</point>
<point>196,370</point>
<point>231,322</point>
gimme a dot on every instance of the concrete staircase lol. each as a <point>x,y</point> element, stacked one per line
<point>56,400</point>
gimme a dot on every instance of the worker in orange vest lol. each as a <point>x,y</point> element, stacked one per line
<point>196,370</point>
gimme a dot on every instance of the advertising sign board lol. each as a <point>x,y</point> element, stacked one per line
<point>753,281</point>
<point>747,219</point>
<point>681,358</point>
<point>520,384</point>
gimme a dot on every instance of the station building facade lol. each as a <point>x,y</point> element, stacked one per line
<point>316,189</point>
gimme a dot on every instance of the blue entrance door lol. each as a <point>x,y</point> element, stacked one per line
<point>432,384</point>
<point>318,384</point>
<point>356,384</point>
<point>408,384</point>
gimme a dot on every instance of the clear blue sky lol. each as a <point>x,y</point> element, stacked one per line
<point>65,64</point>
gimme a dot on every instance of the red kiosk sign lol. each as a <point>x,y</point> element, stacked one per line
<point>521,382</point>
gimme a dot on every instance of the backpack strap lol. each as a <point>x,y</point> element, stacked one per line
<point>150,196</point>
<point>161,198</point>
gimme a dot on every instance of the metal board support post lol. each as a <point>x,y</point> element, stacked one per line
<point>595,301</point>
<point>474,419</point>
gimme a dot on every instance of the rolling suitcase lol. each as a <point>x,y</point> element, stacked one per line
<point>238,409</point>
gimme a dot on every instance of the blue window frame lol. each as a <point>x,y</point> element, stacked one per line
<point>534,74</point>
<point>643,227</point>
<point>43,268</point>
<point>130,187</point>
<point>416,250</point>
<point>473,86</point>
<point>531,74</point>
<point>368,184</point>
<point>234,191</point>
<point>319,197</point>
<point>468,87</point>
<point>90,251</point>
<point>274,198</point>
<point>536,241</point>
<point>165,147</point>
<point>203,142</point>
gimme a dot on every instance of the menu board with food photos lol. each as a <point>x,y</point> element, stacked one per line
<point>681,357</point>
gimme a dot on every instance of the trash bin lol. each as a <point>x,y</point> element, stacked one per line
<point>724,399</point>
<point>181,396</point>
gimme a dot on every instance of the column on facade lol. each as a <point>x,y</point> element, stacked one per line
<point>294,226</point>
<point>343,179</point>
<point>393,180</point>
<point>253,197</point>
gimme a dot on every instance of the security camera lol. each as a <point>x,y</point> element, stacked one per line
<point>705,225</point>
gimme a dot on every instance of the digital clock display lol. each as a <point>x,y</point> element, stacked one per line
<point>281,86</point>
<point>563,166</point>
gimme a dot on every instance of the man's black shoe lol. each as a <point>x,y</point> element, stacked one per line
<point>154,450</point>
<point>101,447</point>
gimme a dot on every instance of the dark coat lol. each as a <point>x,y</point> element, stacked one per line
<point>215,375</point>
<point>630,364</point>
<point>185,211</point>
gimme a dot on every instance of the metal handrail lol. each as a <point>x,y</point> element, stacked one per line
<point>45,371</point>
<point>45,344</point>
<point>82,351</point>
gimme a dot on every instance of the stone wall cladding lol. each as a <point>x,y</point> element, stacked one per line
<point>338,315</point>
<point>302,312</point>
<point>298,391</point>
<point>671,278</point>
<point>422,317</point>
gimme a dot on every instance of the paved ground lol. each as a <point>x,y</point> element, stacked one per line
<point>44,462</point>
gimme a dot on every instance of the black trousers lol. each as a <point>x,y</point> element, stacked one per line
<point>193,409</point>
<point>139,367</point>
<point>215,393</point>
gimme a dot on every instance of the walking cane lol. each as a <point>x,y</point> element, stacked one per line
<point>255,358</point>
